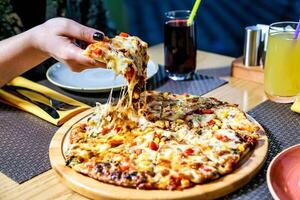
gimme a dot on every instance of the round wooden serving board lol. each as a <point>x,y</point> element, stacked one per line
<point>94,189</point>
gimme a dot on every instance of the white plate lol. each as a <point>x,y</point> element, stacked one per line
<point>90,80</point>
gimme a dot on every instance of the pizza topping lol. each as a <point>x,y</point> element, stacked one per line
<point>211,122</point>
<point>204,111</point>
<point>165,172</point>
<point>124,167</point>
<point>105,131</point>
<point>115,142</point>
<point>189,151</point>
<point>175,182</point>
<point>99,52</point>
<point>153,146</point>
<point>89,165</point>
<point>139,151</point>
<point>123,34</point>
<point>223,138</point>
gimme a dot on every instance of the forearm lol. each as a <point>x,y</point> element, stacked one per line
<point>54,38</point>
<point>18,54</point>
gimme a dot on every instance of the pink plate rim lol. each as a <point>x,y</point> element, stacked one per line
<point>273,193</point>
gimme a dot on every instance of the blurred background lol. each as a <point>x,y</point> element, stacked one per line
<point>220,23</point>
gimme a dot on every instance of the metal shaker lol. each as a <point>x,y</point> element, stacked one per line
<point>252,49</point>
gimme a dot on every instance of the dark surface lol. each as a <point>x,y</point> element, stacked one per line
<point>220,24</point>
<point>25,138</point>
<point>29,18</point>
<point>198,85</point>
<point>24,144</point>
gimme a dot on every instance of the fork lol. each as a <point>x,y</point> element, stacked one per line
<point>56,104</point>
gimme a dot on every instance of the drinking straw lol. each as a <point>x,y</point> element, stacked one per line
<point>193,13</point>
<point>297,31</point>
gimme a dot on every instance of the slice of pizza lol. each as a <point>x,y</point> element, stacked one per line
<point>126,55</point>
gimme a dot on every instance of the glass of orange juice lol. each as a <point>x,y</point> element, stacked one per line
<point>282,67</point>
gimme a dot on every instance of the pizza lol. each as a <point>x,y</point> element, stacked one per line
<point>126,55</point>
<point>162,141</point>
<point>156,140</point>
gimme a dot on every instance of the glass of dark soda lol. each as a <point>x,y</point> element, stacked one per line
<point>180,45</point>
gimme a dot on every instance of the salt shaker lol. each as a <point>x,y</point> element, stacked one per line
<point>252,45</point>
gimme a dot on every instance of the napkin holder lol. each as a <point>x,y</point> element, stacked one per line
<point>250,73</point>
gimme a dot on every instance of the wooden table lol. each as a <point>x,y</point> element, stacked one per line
<point>47,185</point>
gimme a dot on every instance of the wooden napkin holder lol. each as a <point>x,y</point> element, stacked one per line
<point>251,73</point>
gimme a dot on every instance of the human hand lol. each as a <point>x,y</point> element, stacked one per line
<point>56,38</point>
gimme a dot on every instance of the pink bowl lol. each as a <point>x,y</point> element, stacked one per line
<point>283,176</point>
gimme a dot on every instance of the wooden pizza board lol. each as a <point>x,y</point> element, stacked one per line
<point>94,189</point>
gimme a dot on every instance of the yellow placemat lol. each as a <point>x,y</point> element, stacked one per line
<point>28,106</point>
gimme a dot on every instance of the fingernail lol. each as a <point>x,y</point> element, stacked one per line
<point>98,36</point>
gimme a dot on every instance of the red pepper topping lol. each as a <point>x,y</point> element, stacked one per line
<point>165,172</point>
<point>204,111</point>
<point>124,167</point>
<point>207,111</point>
<point>138,151</point>
<point>118,128</point>
<point>156,135</point>
<point>123,34</point>
<point>105,131</point>
<point>211,122</point>
<point>223,138</point>
<point>133,144</point>
<point>175,182</point>
<point>224,152</point>
<point>126,159</point>
<point>129,74</point>
<point>189,151</point>
<point>153,146</point>
<point>197,166</point>
<point>207,169</point>
<point>89,165</point>
<point>99,52</point>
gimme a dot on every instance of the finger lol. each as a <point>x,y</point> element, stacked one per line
<point>95,64</point>
<point>75,54</point>
<point>100,64</point>
<point>81,32</point>
<point>75,67</point>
